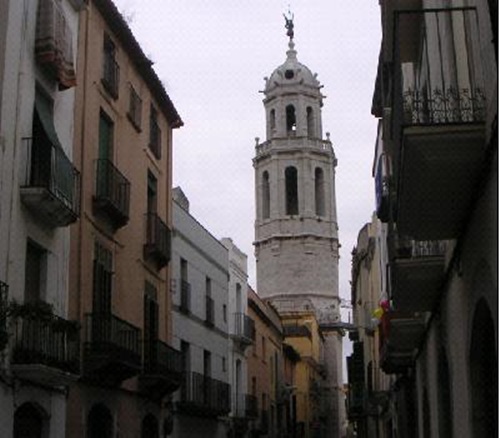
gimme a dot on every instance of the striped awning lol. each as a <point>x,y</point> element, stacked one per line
<point>54,43</point>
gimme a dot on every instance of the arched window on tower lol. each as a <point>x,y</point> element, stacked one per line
<point>319,191</point>
<point>272,120</point>
<point>266,196</point>
<point>310,122</point>
<point>291,120</point>
<point>292,200</point>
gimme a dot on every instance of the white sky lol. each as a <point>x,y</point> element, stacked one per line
<point>212,57</point>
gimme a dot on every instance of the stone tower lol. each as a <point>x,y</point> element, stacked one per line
<point>296,239</point>
<point>296,232</point>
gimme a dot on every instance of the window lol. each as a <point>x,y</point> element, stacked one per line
<point>135,109</point>
<point>319,191</point>
<point>272,120</point>
<point>263,348</point>
<point>34,279</point>
<point>152,198</point>
<point>185,304</point>
<point>291,121</point>
<point>310,122</point>
<point>154,133</point>
<point>209,303</point>
<point>111,70</point>
<point>266,196</point>
<point>224,313</point>
<point>106,128</point>
<point>292,202</point>
<point>102,276</point>
<point>207,363</point>
<point>186,355</point>
<point>224,364</point>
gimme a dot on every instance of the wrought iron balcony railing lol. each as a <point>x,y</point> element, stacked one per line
<point>410,248</point>
<point>52,184</point>
<point>112,348</point>
<point>161,358</point>
<point>48,340</point>
<point>244,328</point>
<point>163,369</point>
<point>204,395</point>
<point>158,242</point>
<point>107,332</point>
<point>438,75</point>
<point>112,192</point>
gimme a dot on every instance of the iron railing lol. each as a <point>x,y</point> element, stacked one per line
<point>48,167</point>
<point>107,333</point>
<point>49,340</point>
<point>244,327</point>
<point>112,190</point>
<point>158,242</point>
<point>203,392</point>
<point>161,358</point>
<point>438,75</point>
<point>409,248</point>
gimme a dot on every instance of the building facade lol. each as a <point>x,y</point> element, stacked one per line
<point>120,248</point>
<point>296,237</point>
<point>39,199</point>
<point>266,372</point>
<point>368,402</point>
<point>242,334</point>
<point>201,320</point>
<point>436,174</point>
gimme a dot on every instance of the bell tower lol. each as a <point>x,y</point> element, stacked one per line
<point>296,239</point>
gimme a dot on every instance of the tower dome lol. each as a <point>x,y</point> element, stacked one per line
<point>291,74</point>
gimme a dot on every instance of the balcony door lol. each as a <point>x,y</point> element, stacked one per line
<point>150,326</point>
<point>101,299</point>
<point>105,155</point>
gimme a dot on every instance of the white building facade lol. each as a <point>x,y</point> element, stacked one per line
<point>200,324</point>
<point>242,334</point>
<point>39,198</point>
<point>296,231</point>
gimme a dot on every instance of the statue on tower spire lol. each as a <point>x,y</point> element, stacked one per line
<point>289,24</point>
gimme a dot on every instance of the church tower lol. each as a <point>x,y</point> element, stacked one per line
<point>296,232</point>
<point>296,239</point>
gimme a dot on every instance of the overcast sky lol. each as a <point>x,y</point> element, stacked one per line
<point>212,57</point>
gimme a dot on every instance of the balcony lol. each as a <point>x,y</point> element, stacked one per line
<point>245,406</point>
<point>400,337</point>
<point>185,304</point>
<point>203,396</point>
<point>163,370</point>
<point>51,190</point>
<point>112,350</point>
<point>45,348</point>
<point>244,330</point>
<point>417,273</point>
<point>158,244</point>
<point>209,312</point>
<point>112,193</point>
<point>438,120</point>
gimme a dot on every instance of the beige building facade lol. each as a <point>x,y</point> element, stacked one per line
<point>120,249</point>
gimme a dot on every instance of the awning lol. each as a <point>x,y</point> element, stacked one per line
<point>43,108</point>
